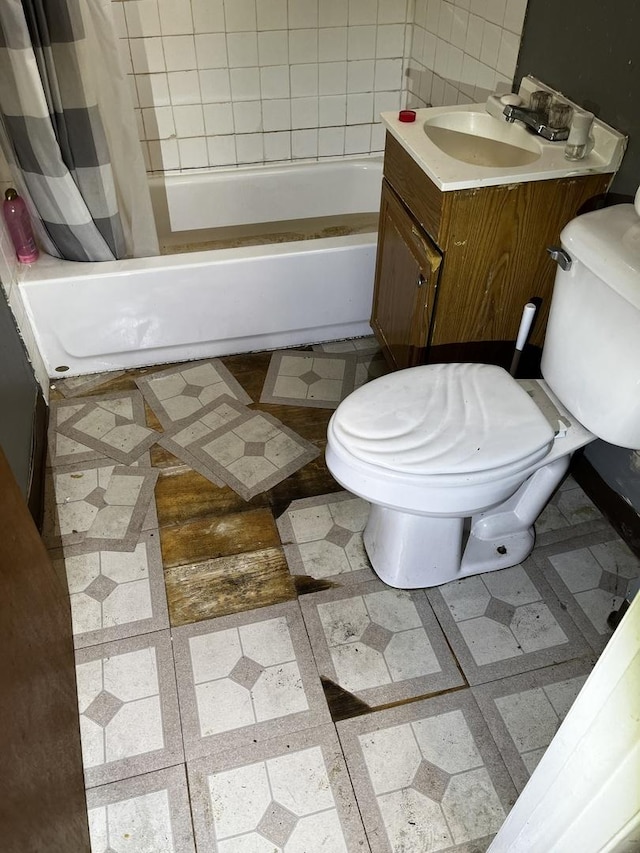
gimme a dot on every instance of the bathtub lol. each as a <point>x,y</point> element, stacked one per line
<point>87,318</point>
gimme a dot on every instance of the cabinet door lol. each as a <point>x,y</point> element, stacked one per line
<point>407,270</point>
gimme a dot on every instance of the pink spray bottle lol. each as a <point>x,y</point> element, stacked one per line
<point>18,222</point>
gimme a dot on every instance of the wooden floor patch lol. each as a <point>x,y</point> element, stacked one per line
<point>210,537</point>
<point>228,585</point>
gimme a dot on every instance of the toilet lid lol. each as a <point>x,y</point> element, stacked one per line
<point>442,419</point>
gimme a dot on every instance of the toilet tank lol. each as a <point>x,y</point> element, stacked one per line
<point>591,356</point>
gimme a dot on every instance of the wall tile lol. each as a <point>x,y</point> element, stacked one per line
<point>189,120</point>
<point>245,84</point>
<point>276,114</point>
<point>272,14</point>
<point>142,18</point>
<point>332,110</point>
<point>361,42</point>
<point>226,82</point>
<point>303,45</point>
<point>390,40</point>
<point>332,44</point>
<point>331,142</point>
<point>193,153</point>
<point>277,146</point>
<point>218,119</point>
<point>211,50</point>
<point>179,53</point>
<point>303,14</point>
<point>184,87</point>
<point>333,78</point>
<point>249,147</point>
<point>153,90</point>
<point>333,13</point>
<point>242,49</point>
<point>208,16</point>
<point>360,108</point>
<point>222,150</point>
<point>274,81</point>
<point>240,15</point>
<point>304,80</point>
<point>362,12</point>
<point>215,85</point>
<point>357,139</point>
<point>247,116</point>
<point>304,144</point>
<point>273,48</point>
<point>147,55</point>
<point>361,75</point>
<point>175,17</point>
<point>304,112</point>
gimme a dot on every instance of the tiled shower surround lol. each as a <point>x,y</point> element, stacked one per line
<point>234,82</point>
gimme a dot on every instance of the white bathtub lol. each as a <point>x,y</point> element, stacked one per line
<point>118,314</point>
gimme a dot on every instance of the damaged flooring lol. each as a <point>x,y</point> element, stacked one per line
<point>246,684</point>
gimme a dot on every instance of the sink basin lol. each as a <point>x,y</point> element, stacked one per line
<point>482,140</point>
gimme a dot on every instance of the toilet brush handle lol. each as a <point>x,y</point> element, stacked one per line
<point>523,333</point>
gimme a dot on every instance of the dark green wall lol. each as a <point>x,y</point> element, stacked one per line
<point>19,395</point>
<point>590,51</point>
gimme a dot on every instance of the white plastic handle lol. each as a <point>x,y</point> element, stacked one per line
<point>525,325</point>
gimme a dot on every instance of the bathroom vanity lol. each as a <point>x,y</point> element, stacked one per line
<point>462,246</point>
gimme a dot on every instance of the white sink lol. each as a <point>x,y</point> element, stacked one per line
<point>462,146</point>
<point>478,138</point>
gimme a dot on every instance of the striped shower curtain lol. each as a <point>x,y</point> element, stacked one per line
<point>68,132</point>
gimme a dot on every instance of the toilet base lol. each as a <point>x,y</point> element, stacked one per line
<point>411,551</point>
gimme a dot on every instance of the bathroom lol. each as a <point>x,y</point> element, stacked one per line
<point>592,70</point>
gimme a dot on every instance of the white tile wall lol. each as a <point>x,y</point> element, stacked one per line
<point>226,82</point>
<point>463,50</point>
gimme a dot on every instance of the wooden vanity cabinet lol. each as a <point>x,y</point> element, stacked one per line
<point>455,269</point>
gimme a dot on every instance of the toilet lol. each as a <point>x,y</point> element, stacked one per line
<point>458,460</point>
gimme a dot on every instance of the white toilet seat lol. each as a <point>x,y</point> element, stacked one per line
<point>451,420</point>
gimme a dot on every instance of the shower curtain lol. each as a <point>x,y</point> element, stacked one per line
<point>68,132</point>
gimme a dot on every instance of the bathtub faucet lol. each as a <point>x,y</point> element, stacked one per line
<point>535,122</point>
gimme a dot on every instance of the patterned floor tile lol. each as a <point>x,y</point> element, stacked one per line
<point>75,385</point>
<point>524,712</point>
<point>290,794</point>
<point>322,538</point>
<point>568,513</point>
<point>252,451</point>
<point>63,450</point>
<point>113,425</point>
<point>314,379</point>
<point>247,676</point>
<point>383,645</point>
<point>129,720</point>
<point>146,814</point>
<point>98,506</point>
<point>115,594</point>
<point>427,776</point>
<point>361,346</point>
<point>590,581</point>
<point>505,622</point>
<point>370,367</point>
<point>180,392</point>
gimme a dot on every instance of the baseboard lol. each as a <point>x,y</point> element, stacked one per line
<point>618,512</point>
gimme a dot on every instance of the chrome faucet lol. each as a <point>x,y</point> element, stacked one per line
<point>535,122</point>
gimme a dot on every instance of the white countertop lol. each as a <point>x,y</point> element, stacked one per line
<point>448,173</point>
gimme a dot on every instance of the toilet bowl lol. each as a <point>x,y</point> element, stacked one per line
<point>458,460</point>
<point>432,446</point>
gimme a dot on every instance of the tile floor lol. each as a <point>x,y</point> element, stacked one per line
<point>245,682</point>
